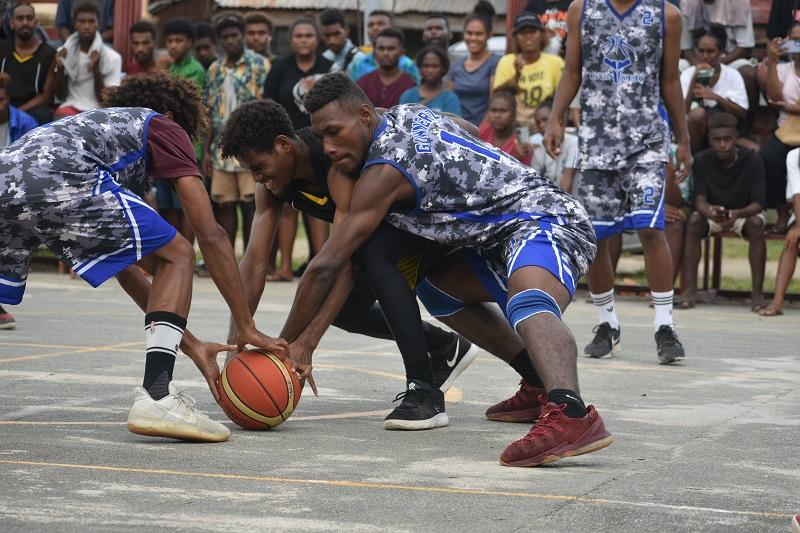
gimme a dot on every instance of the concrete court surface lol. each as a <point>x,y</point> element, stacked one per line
<point>711,445</point>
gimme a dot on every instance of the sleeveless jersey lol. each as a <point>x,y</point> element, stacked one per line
<point>76,157</point>
<point>468,192</point>
<point>315,202</point>
<point>621,112</point>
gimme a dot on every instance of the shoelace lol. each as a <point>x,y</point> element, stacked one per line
<point>603,326</point>
<point>406,393</point>
<point>547,423</point>
<point>186,400</point>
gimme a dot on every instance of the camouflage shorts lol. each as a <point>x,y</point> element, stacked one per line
<point>623,199</point>
<point>97,236</point>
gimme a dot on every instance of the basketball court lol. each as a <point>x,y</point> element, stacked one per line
<point>709,445</point>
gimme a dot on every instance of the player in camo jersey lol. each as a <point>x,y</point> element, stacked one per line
<point>623,54</point>
<point>74,186</point>
<point>425,175</point>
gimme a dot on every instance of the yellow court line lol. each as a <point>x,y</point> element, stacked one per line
<point>453,395</point>
<point>85,349</point>
<point>397,487</point>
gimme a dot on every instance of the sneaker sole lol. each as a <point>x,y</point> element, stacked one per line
<point>670,360</point>
<point>161,429</point>
<point>796,523</point>
<point>462,365</point>
<point>438,421</point>
<point>9,325</point>
<point>513,417</point>
<point>552,457</point>
<point>615,350</point>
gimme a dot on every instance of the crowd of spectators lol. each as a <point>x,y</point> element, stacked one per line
<point>738,172</point>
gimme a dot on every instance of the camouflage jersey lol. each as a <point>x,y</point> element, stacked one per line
<point>77,157</point>
<point>468,192</point>
<point>314,201</point>
<point>622,117</point>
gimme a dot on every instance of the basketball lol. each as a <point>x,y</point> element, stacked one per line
<point>258,391</point>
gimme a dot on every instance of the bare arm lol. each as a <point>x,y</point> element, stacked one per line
<point>774,85</point>
<point>753,208</point>
<point>671,91</point>
<point>60,77</point>
<point>569,84</point>
<point>565,181</point>
<point>99,84</point>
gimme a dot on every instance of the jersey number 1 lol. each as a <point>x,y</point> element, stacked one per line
<point>451,138</point>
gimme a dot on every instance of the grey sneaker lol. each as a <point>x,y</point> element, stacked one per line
<point>605,343</point>
<point>669,347</point>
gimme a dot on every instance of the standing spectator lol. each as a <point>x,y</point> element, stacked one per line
<point>560,170</point>
<point>85,65</point>
<point>384,86</point>
<point>29,62</point>
<point>433,65</point>
<point>436,30</point>
<point>473,76</point>
<point>553,15</point>
<point>783,91</point>
<point>179,39</point>
<point>724,90</point>
<point>288,80</point>
<point>258,34</point>
<point>361,66</point>
<point>233,80</point>
<point>205,44</point>
<point>143,48</point>
<point>65,18</point>
<point>336,35</point>
<point>791,244</point>
<point>531,73</point>
<point>500,126</point>
<point>729,196</point>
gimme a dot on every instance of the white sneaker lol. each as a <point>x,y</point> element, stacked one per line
<point>173,416</point>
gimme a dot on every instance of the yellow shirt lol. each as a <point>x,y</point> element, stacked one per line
<point>537,82</point>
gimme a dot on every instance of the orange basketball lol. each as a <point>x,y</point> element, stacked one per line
<point>258,390</point>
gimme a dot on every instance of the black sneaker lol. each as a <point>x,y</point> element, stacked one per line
<point>670,348</point>
<point>605,343</point>
<point>451,360</point>
<point>422,408</point>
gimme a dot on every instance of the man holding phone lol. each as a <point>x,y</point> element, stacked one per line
<point>729,197</point>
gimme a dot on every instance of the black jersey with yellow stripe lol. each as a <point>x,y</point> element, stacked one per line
<point>313,199</point>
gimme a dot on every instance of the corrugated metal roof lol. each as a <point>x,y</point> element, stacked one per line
<point>456,7</point>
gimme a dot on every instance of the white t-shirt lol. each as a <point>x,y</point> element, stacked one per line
<point>730,85</point>
<point>80,93</point>
<point>553,168</point>
<point>791,86</point>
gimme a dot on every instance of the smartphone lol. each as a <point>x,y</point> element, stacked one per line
<point>791,46</point>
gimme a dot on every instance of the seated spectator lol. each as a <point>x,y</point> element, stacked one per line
<point>433,65</point>
<point>500,128</point>
<point>710,86</point>
<point>378,21</point>
<point>143,49</point>
<point>436,30</point>
<point>14,123</point>
<point>179,39</point>
<point>791,246</point>
<point>782,84</point>
<point>473,76</point>
<point>85,65</point>
<point>561,170</point>
<point>29,62</point>
<point>258,34</point>
<point>336,34</point>
<point>553,15</point>
<point>384,86</point>
<point>678,201</point>
<point>729,197</point>
<point>205,44</point>
<point>531,73</point>
<point>65,18</point>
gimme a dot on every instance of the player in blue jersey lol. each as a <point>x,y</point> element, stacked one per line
<point>425,175</point>
<point>623,54</point>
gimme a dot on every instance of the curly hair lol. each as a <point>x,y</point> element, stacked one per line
<point>255,126</point>
<point>162,93</point>
<point>721,120</point>
<point>334,87</point>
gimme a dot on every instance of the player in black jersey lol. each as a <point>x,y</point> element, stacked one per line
<point>293,168</point>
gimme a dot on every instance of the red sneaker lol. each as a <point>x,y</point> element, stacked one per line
<point>555,436</point>
<point>524,406</point>
<point>796,523</point>
<point>7,320</point>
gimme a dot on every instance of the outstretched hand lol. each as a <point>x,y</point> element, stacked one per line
<point>277,347</point>
<point>204,355</point>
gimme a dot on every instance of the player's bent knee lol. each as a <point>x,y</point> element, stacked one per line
<point>528,303</point>
<point>436,301</point>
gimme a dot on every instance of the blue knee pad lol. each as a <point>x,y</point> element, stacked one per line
<point>436,301</point>
<point>530,302</point>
